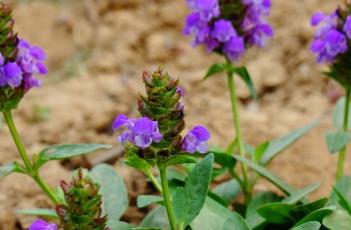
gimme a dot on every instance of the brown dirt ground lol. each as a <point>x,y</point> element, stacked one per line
<point>97,51</point>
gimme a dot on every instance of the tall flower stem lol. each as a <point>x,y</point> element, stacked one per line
<point>167,199</point>
<point>342,153</point>
<point>22,152</point>
<point>237,126</point>
<point>154,181</point>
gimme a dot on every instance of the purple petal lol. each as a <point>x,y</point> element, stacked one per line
<point>13,74</point>
<point>317,18</point>
<point>40,224</point>
<point>37,53</point>
<point>23,44</point>
<point>120,121</point>
<point>201,133</point>
<point>41,68</point>
<point>142,141</point>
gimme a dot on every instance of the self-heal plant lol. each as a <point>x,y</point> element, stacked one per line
<point>331,45</point>
<point>229,28</point>
<point>20,63</point>
<point>155,140</point>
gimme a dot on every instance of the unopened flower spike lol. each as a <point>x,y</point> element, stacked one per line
<point>158,131</point>
<point>83,208</point>
<point>19,63</point>
<point>229,27</point>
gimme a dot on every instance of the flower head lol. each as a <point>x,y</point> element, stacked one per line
<point>329,41</point>
<point>196,140</point>
<point>142,132</point>
<point>244,26</point>
<point>40,224</point>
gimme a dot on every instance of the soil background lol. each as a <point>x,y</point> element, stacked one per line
<point>97,50</point>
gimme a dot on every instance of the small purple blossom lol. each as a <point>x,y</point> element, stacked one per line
<point>21,72</point>
<point>40,224</point>
<point>222,32</point>
<point>329,41</point>
<point>180,90</point>
<point>196,140</point>
<point>141,131</point>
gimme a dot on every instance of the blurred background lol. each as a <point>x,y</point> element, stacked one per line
<point>97,50</point>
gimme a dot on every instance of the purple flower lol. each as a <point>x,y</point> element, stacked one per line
<point>196,140</point>
<point>229,35</point>
<point>234,48</point>
<point>347,27</point>
<point>40,224</point>
<point>223,30</point>
<point>329,42</point>
<point>10,74</point>
<point>141,132</point>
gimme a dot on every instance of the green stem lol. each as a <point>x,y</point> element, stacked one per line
<point>45,187</point>
<point>167,199</point>
<point>342,153</point>
<point>236,119</point>
<point>22,152</point>
<point>154,181</point>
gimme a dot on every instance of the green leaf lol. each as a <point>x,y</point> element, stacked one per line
<point>312,206</point>
<point>338,220</point>
<point>343,202</point>
<point>157,218</point>
<point>259,200</point>
<point>10,168</point>
<point>215,69</point>
<point>212,216</point>
<point>228,190</point>
<point>278,145</point>
<point>189,199</point>
<point>284,187</point>
<point>259,151</point>
<point>235,221</point>
<point>180,159</point>
<point>113,190</point>
<point>312,225</point>
<point>146,200</point>
<point>118,225</point>
<point>245,76</point>
<point>341,195</point>
<point>317,215</point>
<point>300,194</point>
<point>338,115</point>
<point>338,140</point>
<point>59,152</point>
<point>49,213</point>
<point>277,213</point>
<point>223,159</point>
<point>138,163</point>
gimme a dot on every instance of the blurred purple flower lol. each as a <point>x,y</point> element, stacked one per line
<point>40,224</point>
<point>226,34</point>
<point>180,90</point>
<point>10,74</point>
<point>196,140</point>
<point>328,41</point>
<point>141,131</point>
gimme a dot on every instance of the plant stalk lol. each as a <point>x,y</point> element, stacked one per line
<point>342,153</point>
<point>167,199</point>
<point>22,152</point>
<point>236,120</point>
<point>154,181</point>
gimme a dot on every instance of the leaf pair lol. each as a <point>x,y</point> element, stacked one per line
<point>230,69</point>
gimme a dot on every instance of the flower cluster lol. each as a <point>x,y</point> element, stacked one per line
<point>20,72</point>
<point>228,27</point>
<point>331,37</point>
